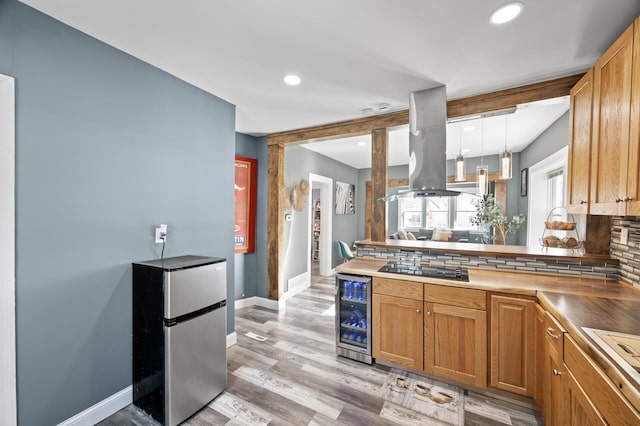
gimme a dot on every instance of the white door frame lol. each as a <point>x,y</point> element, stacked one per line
<point>537,190</point>
<point>326,222</point>
<point>8,408</point>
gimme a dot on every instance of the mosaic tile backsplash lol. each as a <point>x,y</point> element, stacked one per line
<point>529,264</point>
<point>628,254</point>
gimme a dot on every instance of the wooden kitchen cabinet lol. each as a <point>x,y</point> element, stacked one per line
<point>540,359</point>
<point>577,408</point>
<point>397,331</point>
<point>612,76</point>
<point>579,161</point>
<point>554,372</point>
<point>633,176</point>
<point>455,343</point>
<point>512,348</point>
<point>599,397</point>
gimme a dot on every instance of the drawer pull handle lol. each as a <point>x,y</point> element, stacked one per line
<point>557,373</point>
<point>550,333</point>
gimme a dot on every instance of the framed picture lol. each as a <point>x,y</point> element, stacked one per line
<point>524,176</point>
<point>245,205</point>
<point>345,198</point>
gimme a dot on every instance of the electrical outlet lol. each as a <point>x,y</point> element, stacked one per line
<point>161,234</point>
<point>624,236</point>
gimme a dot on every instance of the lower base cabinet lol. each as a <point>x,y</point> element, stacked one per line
<point>577,409</point>
<point>455,343</point>
<point>512,348</point>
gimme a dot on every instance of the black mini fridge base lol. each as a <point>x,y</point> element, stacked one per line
<point>353,317</point>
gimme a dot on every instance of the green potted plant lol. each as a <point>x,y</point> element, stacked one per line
<point>489,216</point>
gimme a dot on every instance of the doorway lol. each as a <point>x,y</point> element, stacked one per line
<point>7,253</point>
<point>322,186</point>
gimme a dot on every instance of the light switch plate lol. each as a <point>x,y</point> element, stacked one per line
<point>624,236</point>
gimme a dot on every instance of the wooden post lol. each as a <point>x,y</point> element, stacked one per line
<point>379,173</point>
<point>275,219</point>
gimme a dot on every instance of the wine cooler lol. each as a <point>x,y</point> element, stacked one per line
<point>353,317</point>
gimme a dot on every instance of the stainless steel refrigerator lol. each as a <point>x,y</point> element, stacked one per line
<point>179,335</point>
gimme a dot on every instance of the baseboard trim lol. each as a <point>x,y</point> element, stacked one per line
<point>245,303</point>
<point>103,409</point>
<point>232,339</point>
<point>275,305</point>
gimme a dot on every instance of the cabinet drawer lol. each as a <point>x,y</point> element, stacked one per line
<point>613,406</point>
<point>553,332</point>
<point>398,288</point>
<point>456,296</point>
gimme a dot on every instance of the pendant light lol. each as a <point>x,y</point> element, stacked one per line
<point>482,170</point>
<point>505,157</point>
<point>461,167</point>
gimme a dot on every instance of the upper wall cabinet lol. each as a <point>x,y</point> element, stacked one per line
<point>611,125</point>
<point>580,144</point>
<point>633,178</point>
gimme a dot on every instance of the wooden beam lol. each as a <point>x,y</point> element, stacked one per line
<point>343,129</point>
<point>379,173</point>
<point>509,98</point>
<point>479,104</point>
<point>275,220</point>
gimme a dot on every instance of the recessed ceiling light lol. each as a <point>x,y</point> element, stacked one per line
<point>469,128</point>
<point>292,80</point>
<point>362,143</point>
<point>384,107</point>
<point>506,13</point>
<point>366,111</point>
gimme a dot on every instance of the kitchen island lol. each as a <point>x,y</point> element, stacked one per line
<point>512,330</point>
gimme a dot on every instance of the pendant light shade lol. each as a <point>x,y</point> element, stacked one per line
<point>483,179</point>
<point>482,170</point>
<point>506,162</point>
<point>461,167</point>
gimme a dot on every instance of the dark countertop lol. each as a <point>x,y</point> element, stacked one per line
<point>578,302</point>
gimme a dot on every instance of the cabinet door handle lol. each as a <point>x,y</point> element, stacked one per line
<point>557,373</point>
<point>583,201</point>
<point>628,199</point>
<point>550,333</point>
<point>428,313</point>
<point>619,200</point>
<point>417,311</point>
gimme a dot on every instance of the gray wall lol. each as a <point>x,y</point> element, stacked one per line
<point>107,148</point>
<point>550,141</point>
<point>251,268</point>
<point>298,163</point>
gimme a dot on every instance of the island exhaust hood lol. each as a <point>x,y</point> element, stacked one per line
<point>427,144</point>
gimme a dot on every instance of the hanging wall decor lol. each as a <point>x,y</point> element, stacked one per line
<point>245,204</point>
<point>345,198</point>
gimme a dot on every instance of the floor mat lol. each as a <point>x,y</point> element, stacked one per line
<point>435,399</point>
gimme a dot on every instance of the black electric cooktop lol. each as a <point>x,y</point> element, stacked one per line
<point>454,273</point>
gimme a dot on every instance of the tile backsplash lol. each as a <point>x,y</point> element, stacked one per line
<point>628,254</point>
<point>530,264</point>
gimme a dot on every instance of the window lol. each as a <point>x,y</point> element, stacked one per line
<point>438,212</point>
<point>555,189</point>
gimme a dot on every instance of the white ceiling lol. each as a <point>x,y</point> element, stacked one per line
<point>522,127</point>
<point>350,54</point>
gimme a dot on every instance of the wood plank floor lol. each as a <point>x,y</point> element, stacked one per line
<point>295,377</point>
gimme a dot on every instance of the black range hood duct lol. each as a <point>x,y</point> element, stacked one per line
<point>427,144</point>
